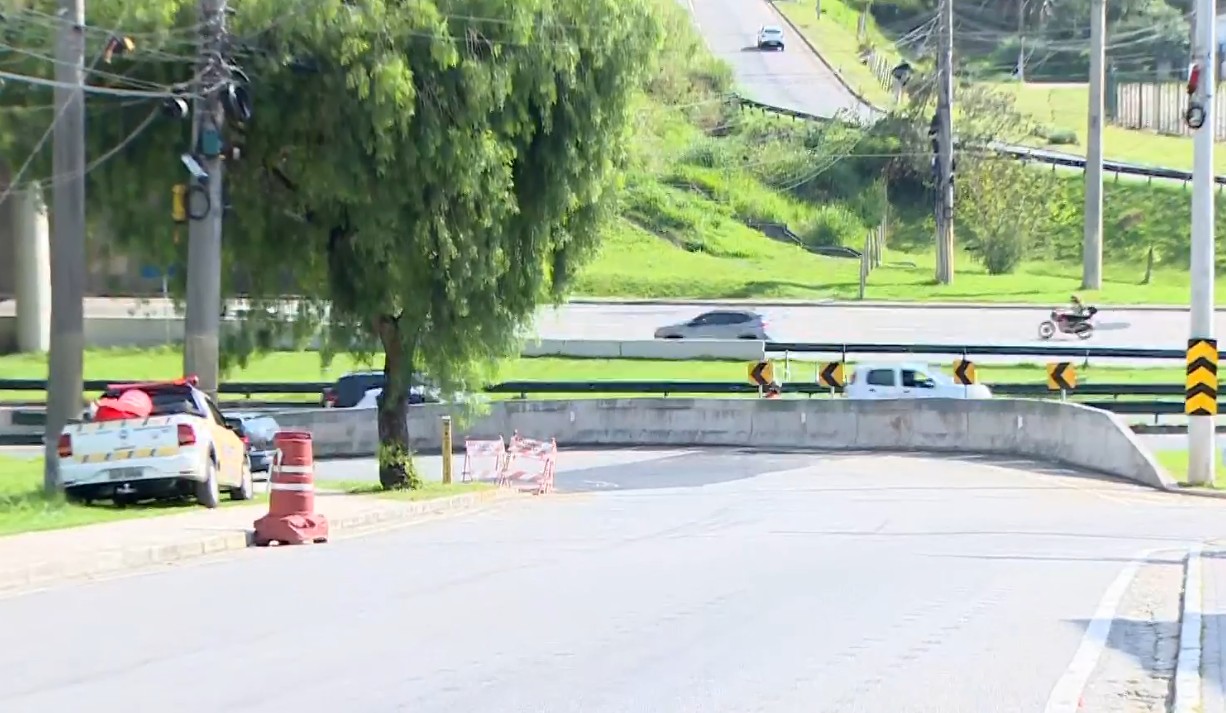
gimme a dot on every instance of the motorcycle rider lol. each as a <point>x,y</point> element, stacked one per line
<point>1076,308</point>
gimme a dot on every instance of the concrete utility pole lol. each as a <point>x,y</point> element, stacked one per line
<point>29,228</point>
<point>203,319</point>
<point>1092,242</point>
<point>945,148</point>
<point>1202,459</point>
<point>1021,41</point>
<point>64,382</point>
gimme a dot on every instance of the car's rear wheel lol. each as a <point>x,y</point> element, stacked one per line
<point>246,488</point>
<point>208,492</point>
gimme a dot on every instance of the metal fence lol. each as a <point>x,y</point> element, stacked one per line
<point>251,392</point>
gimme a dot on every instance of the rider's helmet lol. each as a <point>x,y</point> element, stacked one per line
<point>1075,299</point>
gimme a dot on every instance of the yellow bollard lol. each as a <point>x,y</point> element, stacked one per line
<point>446,450</point>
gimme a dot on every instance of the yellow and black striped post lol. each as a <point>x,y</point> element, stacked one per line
<point>1200,389</point>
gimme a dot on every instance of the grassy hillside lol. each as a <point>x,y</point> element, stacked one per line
<point>704,171</point>
<point>1059,109</point>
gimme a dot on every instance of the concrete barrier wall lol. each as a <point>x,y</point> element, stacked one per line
<point>153,331</point>
<point>1066,433</point>
<point>672,349</point>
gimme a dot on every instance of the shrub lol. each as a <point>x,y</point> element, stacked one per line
<point>832,225</point>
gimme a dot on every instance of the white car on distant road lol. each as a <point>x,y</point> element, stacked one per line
<point>770,37</point>
<point>908,380</point>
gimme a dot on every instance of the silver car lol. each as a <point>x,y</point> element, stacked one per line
<point>770,37</point>
<point>720,324</point>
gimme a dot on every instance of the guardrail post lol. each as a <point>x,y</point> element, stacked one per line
<point>446,450</point>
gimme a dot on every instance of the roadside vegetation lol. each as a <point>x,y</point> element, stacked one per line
<point>306,367</point>
<point>428,491</point>
<point>1140,35</point>
<point>1176,465</point>
<point>705,177</point>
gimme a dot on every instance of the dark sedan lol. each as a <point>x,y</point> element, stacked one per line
<point>257,431</point>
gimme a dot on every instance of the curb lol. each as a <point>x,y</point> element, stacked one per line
<point>867,304</point>
<point>822,58</point>
<point>113,562</point>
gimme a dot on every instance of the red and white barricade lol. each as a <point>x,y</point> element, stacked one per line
<point>484,460</point>
<point>530,462</point>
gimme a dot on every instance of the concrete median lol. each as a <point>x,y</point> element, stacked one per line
<point>1065,433</point>
<point>146,331</point>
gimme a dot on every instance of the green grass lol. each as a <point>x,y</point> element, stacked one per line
<point>428,491</point>
<point>1062,106</point>
<point>1176,464</point>
<point>24,507</point>
<point>1066,106</point>
<point>305,366</point>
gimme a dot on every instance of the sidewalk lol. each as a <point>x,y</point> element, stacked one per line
<point>42,558</point>
<point>1213,638</point>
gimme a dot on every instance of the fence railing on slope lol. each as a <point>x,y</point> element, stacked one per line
<point>1160,107</point>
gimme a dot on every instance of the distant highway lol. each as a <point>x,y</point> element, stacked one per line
<point>713,581</point>
<point>834,323</point>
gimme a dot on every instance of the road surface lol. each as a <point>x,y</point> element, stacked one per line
<point>793,79</point>
<point>709,581</point>
<point>825,322</point>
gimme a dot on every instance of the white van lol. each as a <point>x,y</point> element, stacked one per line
<point>908,380</point>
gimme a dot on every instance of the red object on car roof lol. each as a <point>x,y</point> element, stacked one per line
<point>186,381</point>
<point>132,403</point>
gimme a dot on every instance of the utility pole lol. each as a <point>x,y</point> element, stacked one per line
<point>945,148</point>
<point>1092,240</point>
<point>202,345</point>
<point>1021,41</point>
<point>1202,458</point>
<point>64,381</point>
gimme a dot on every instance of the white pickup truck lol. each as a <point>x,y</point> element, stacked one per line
<point>910,380</point>
<point>183,448</point>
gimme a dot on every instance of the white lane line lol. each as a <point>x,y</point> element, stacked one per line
<point>1066,696</point>
<point>1187,668</point>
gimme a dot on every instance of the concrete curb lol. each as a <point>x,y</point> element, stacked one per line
<point>855,93</point>
<point>112,562</point>
<point>837,304</point>
<point>381,519</point>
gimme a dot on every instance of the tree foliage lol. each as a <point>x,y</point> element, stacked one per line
<point>425,174</point>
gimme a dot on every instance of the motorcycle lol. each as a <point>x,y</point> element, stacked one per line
<point>1067,323</point>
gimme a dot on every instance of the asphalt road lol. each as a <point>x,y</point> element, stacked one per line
<point>711,581</point>
<point>792,79</point>
<point>830,323</point>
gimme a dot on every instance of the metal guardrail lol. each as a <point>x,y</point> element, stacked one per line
<point>1023,153</point>
<point>662,387</point>
<point>979,350</point>
<point>523,389</point>
<point>249,389</point>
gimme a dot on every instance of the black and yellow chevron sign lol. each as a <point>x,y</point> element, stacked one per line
<point>964,372</point>
<point>1061,376</point>
<point>1200,390</point>
<point>831,375</point>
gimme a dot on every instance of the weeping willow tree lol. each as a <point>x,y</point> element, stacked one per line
<point>420,175</point>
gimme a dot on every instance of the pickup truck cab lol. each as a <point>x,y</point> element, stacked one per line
<point>180,446</point>
<point>909,380</point>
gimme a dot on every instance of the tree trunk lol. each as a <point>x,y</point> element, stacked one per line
<point>395,459</point>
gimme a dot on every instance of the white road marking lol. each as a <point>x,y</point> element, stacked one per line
<point>1187,669</point>
<point>1066,695</point>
